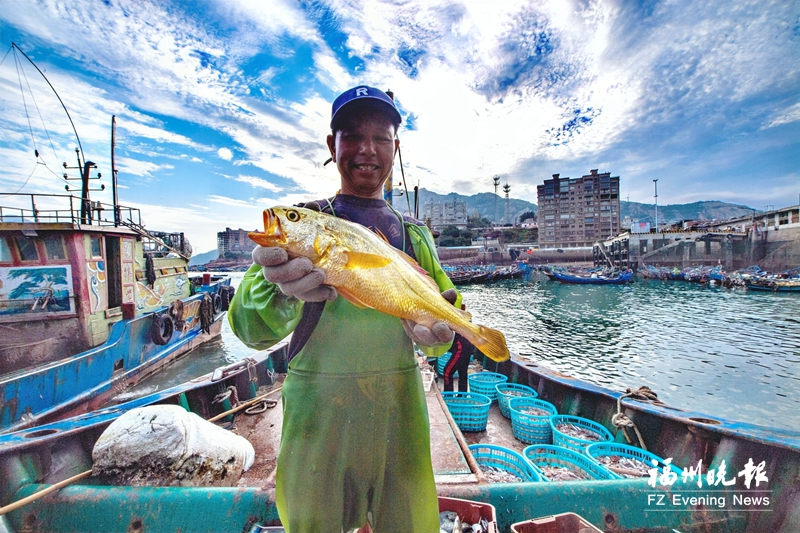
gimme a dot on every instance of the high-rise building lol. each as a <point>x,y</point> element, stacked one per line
<point>578,212</point>
<point>442,214</point>
<point>234,240</point>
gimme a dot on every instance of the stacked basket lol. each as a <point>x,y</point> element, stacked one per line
<point>498,457</point>
<point>546,457</point>
<point>528,427</point>
<point>469,410</point>
<point>441,362</point>
<point>508,391</point>
<point>486,383</point>
<point>576,443</point>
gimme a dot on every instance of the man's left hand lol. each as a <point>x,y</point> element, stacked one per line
<point>439,333</point>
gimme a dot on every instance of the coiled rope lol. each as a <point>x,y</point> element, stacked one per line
<point>620,420</point>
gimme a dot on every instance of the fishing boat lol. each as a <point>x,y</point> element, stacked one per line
<point>594,278</point>
<point>744,481</point>
<point>773,284</point>
<point>91,301</point>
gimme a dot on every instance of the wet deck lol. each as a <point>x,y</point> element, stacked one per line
<point>452,463</point>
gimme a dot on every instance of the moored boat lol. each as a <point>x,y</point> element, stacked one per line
<point>91,301</point>
<point>594,278</point>
<point>724,494</point>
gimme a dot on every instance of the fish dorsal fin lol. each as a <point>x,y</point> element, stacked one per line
<point>364,261</point>
<point>380,234</point>
<point>410,260</point>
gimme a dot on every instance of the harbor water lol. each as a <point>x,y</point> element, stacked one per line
<point>726,353</point>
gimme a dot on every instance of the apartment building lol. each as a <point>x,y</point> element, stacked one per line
<point>578,212</point>
<point>234,240</point>
<point>442,214</point>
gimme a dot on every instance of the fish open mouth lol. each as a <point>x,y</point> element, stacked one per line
<point>273,233</point>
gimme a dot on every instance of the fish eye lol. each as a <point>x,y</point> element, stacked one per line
<point>292,215</point>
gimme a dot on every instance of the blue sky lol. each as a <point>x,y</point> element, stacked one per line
<point>223,106</point>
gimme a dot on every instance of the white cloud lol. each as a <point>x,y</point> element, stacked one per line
<point>225,153</point>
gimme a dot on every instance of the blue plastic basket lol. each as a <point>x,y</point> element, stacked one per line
<point>531,429</point>
<point>509,391</point>
<point>469,410</point>
<point>441,362</point>
<point>484,383</point>
<point>490,455</point>
<point>603,449</point>
<point>557,456</point>
<point>577,444</point>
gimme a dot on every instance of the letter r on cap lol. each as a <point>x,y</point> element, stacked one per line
<point>362,91</point>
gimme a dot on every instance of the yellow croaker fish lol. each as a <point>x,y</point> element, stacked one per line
<point>369,272</point>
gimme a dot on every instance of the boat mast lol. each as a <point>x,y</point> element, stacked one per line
<point>114,198</point>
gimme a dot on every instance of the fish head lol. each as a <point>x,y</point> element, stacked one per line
<point>297,230</point>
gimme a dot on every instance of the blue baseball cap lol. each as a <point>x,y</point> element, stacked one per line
<point>364,93</point>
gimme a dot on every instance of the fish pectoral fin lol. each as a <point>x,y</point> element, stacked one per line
<point>364,261</point>
<point>352,298</point>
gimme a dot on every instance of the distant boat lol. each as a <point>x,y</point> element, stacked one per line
<point>596,278</point>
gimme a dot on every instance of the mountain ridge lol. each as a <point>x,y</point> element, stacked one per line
<point>486,203</point>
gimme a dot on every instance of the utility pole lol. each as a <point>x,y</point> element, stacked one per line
<point>496,180</point>
<point>655,184</point>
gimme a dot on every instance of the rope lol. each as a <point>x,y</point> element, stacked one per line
<point>620,420</point>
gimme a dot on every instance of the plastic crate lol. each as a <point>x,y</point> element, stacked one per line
<point>469,410</point>
<point>485,382</point>
<point>471,512</point>
<point>575,443</point>
<point>602,449</point>
<point>508,391</point>
<point>528,428</point>
<point>490,455</point>
<point>547,455</point>
<point>557,523</point>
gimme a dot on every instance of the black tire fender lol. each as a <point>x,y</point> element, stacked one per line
<point>217,299</point>
<point>161,329</point>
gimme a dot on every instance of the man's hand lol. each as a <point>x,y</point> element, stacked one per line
<point>439,333</point>
<point>297,277</point>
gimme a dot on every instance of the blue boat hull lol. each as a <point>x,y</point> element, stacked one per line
<point>85,381</point>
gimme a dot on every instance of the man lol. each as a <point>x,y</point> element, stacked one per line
<point>355,443</point>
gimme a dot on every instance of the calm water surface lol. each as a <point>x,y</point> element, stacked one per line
<point>725,353</point>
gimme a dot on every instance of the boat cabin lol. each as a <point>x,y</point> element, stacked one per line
<point>67,276</point>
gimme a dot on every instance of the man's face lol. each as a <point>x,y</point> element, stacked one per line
<point>363,150</point>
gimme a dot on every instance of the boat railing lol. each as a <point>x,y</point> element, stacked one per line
<point>64,208</point>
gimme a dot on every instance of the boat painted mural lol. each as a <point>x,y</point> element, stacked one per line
<point>40,289</point>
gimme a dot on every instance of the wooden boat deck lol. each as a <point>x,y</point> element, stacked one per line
<point>451,465</point>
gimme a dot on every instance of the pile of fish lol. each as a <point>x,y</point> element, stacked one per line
<point>625,466</point>
<point>561,473</point>
<point>498,475</point>
<point>534,411</point>
<point>450,522</point>
<point>578,432</point>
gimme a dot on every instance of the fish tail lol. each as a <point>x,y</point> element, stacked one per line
<point>491,343</point>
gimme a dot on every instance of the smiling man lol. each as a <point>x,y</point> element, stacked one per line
<point>355,442</point>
